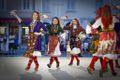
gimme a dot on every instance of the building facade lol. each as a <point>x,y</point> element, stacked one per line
<point>84,10</point>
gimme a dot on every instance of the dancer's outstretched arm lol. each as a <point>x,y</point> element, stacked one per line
<point>13,13</point>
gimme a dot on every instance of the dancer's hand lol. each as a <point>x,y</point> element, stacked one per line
<point>13,13</point>
<point>38,33</point>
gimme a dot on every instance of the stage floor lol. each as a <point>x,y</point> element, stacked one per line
<point>12,68</point>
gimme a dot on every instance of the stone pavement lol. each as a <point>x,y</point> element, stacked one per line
<point>12,68</point>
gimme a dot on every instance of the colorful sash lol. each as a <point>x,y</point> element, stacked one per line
<point>32,40</point>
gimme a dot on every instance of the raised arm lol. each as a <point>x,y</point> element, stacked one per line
<point>13,13</point>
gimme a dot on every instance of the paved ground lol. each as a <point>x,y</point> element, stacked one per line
<point>12,68</point>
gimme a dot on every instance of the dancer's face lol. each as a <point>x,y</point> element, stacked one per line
<point>35,16</point>
<point>55,21</point>
<point>74,22</point>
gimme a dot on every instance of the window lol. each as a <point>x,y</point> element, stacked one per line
<point>70,5</point>
<point>2,4</point>
<point>26,4</point>
<point>45,6</point>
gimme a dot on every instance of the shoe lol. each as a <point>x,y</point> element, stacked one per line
<point>27,68</point>
<point>58,65</point>
<point>114,73</point>
<point>106,70</point>
<point>78,63</point>
<point>49,66</point>
<point>90,70</point>
<point>93,69</point>
<point>36,68</point>
<point>70,64</point>
<point>117,66</point>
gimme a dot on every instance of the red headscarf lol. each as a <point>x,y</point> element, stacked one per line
<point>106,16</point>
<point>98,13</point>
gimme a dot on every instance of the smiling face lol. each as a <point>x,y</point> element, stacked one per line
<point>35,16</point>
<point>55,21</point>
<point>74,22</point>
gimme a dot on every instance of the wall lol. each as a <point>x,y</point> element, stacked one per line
<point>81,9</point>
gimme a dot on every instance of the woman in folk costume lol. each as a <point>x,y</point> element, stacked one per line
<point>107,39</point>
<point>95,33</point>
<point>36,29</point>
<point>53,44</point>
<point>117,29</point>
<point>75,43</point>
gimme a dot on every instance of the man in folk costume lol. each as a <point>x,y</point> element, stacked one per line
<point>95,34</point>
<point>107,39</point>
<point>36,29</point>
<point>53,44</point>
<point>117,29</point>
<point>75,43</point>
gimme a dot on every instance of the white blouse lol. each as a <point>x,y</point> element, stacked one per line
<point>98,23</point>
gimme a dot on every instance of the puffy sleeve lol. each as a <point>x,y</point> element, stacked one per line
<point>115,20</point>
<point>88,29</point>
<point>97,23</point>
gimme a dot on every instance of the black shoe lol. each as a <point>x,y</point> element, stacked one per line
<point>90,71</point>
<point>78,63</point>
<point>70,64</point>
<point>49,65</point>
<point>114,73</point>
<point>58,65</point>
<point>117,66</point>
<point>27,68</point>
<point>36,68</point>
<point>106,70</point>
<point>93,69</point>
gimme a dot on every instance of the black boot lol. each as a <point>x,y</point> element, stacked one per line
<point>58,65</point>
<point>70,64</point>
<point>36,68</point>
<point>27,68</point>
<point>49,66</point>
<point>114,73</point>
<point>90,71</point>
<point>117,66</point>
<point>78,63</point>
